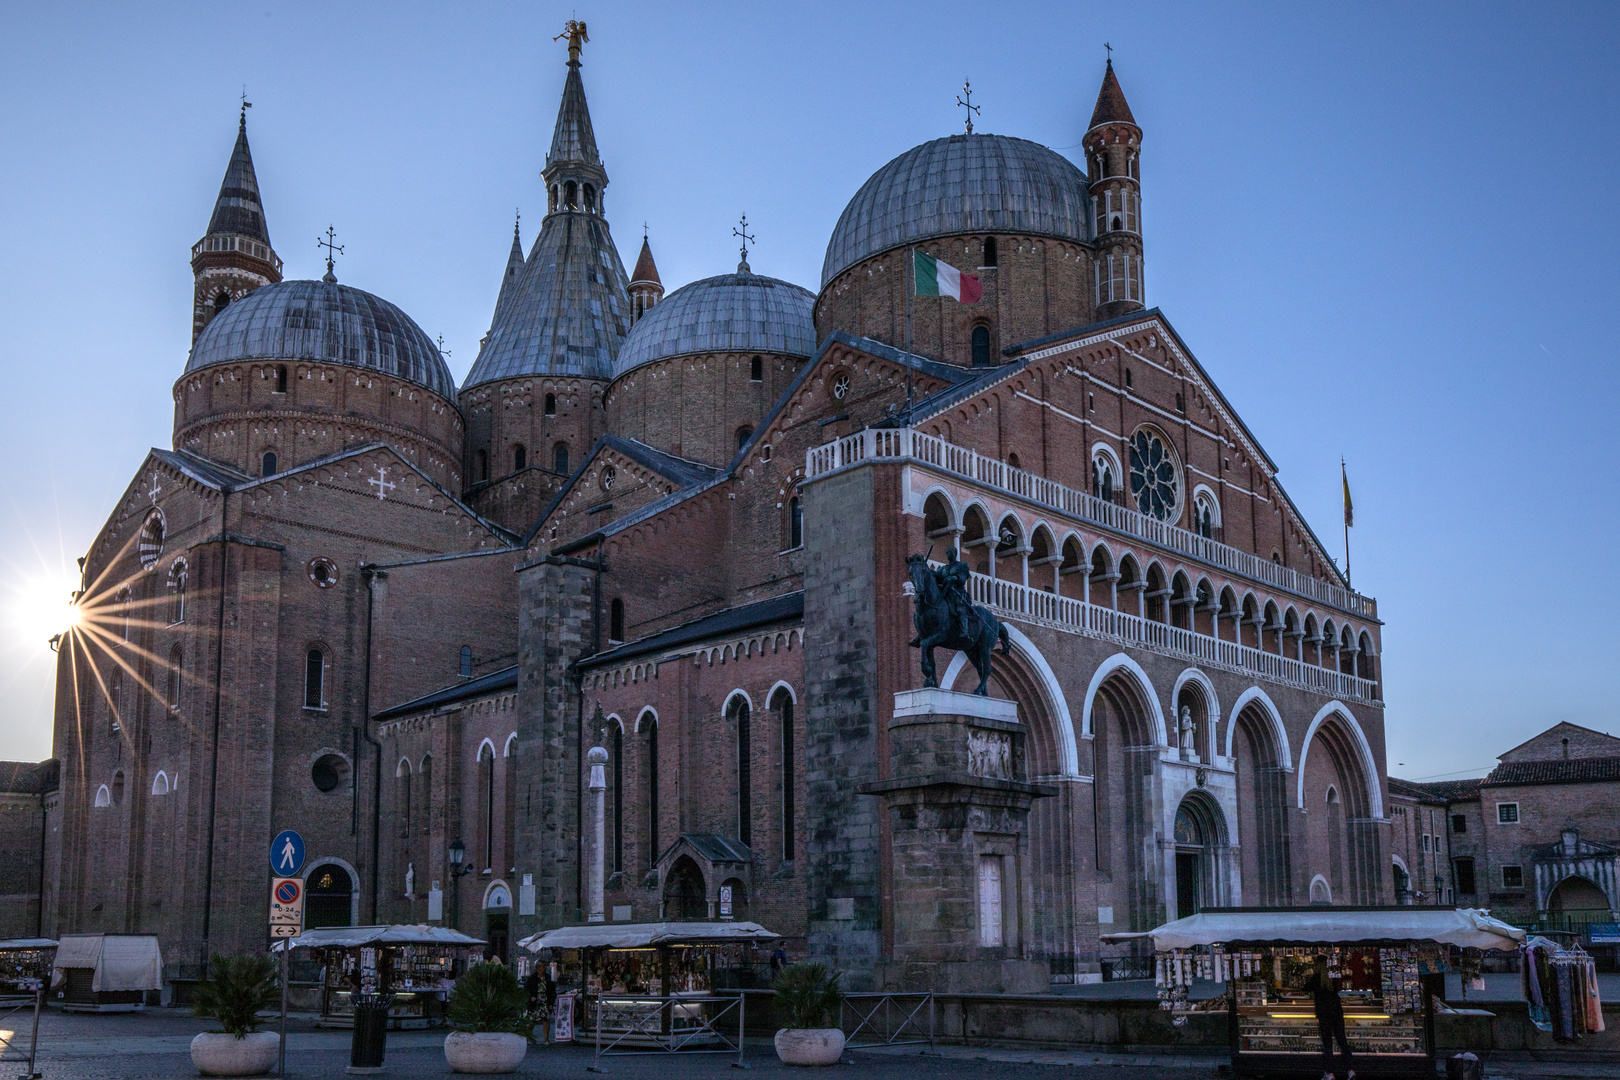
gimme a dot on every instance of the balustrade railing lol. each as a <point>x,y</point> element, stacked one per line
<point>889,443</point>
<point>1022,603</point>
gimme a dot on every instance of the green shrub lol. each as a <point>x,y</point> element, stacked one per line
<point>489,998</point>
<point>236,990</point>
<point>807,996</point>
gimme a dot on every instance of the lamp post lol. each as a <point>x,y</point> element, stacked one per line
<point>458,854</point>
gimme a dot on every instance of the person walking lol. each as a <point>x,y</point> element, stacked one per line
<point>1329,1019</point>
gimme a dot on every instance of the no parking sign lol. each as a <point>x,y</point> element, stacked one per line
<point>286,906</point>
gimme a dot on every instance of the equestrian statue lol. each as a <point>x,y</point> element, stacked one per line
<point>946,617</point>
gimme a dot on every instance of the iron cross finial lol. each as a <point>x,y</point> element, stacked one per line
<point>1110,49</point>
<point>246,104</point>
<point>971,108</point>
<point>442,350</point>
<point>742,231</point>
<point>331,250</point>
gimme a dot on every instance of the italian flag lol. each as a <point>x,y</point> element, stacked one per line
<point>935,278</point>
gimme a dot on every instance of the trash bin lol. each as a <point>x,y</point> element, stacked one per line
<point>370,1031</point>
<point>1463,1066</point>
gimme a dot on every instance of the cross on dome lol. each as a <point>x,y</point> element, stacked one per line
<point>742,231</point>
<point>971,108</point>
<point>331,249</point>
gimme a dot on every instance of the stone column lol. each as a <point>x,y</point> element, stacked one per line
<point>596,887</point>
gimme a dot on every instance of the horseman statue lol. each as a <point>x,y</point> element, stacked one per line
<point>946,617</point>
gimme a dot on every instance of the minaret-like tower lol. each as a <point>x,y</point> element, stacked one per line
<point>1113,146</point>
<point>235,257</point>
<point>573,174</point>
<point>645,287</point>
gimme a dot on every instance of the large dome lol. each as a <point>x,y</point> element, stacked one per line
<point>322,320</point>
<point>960,184</point>
<point>728,313</point>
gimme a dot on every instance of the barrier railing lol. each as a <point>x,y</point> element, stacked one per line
<point>890,443</point>
<point>888,1019</point>
<point>653,1024</point>
<point>16,1006</point>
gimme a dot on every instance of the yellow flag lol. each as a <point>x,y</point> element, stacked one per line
<point>1349,507</point>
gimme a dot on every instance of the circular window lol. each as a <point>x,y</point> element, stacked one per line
<point>609,474</point>
<point>151,546</point>
<point>840,387</point>
<point>323,572</point>
<point>328,772</point>
<point>1154,487</point>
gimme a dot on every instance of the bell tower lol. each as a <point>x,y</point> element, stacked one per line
<point>235,256</point>
<point>1113,147</point>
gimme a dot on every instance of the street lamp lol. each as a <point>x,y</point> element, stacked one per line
<point>458,853</point>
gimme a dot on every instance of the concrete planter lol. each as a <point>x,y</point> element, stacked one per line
<point>484,1051</point>
<point>218,1054</point>
<point>809,1046</point>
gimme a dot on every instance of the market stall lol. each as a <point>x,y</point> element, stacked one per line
<point>1389,964</point>
<point>25,969</point>
<point>652,983</point>
<point>106,972</point>
<point>412,967</point>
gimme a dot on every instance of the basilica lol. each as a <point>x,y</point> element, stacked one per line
<point>662,546</point>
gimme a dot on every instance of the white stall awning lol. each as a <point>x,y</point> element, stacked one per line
<point>1466,927</point>
<point>347,937</point>
<point>646,935</point>
<point>120,961</point>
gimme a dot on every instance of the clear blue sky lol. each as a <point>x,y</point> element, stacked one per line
<point>1388,232</point>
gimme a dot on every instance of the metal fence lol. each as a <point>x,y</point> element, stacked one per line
<point>888,1020</point>
<point>14,1014</point>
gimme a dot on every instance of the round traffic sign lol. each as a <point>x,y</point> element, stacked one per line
<point>287,892</point>
<point>286,853</point>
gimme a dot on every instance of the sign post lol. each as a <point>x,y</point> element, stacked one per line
<point>286,917</point>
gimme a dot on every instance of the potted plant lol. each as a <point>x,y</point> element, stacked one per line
<point>807,1003</point>
<point>489,1011</point>
<point>236,989</point>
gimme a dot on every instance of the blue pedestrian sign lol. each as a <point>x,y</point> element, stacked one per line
<point>286,853</point>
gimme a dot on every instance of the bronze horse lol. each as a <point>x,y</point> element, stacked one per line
<point>936,627</point>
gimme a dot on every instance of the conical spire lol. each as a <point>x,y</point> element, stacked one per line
<point>573,141</point>
<point>1111,107</point>
<point>514,271</point>
<point>646,270</point>
<point>237,209</point>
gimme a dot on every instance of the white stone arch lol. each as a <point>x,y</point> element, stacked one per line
<point>612,718</point>
<point>1375,794</point>
<point>781,684</point>
<point>1068,748</point>
<point>354,876</point>
<point>1327,887</point>
<point>1109,454</point>
<point>1204,493</point>
<point>1211,699</point>
<point>1269,707</point>
<point>480,755</point>
<point>498,896</point>
<point>160,783</point>
<point>403,768</point>
<point>953,517</point>
<point>641,719</point>
<point>511,741</point>
<point>1108,667</point>
<point>1400,862</point>
<point>103,796</point>
<point>739,692</point>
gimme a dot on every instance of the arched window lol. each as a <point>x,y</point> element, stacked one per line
<point>981,346</point>
<point>160,783</point>
<point>559,458</point>
<point>118,788</point>
<point>486,806</point>
<point>1103,477</point>
<point>281,378</point>
<point>618,799</point>
<point>103,796</point>
<point>1013,462</point>
<point>115,701</point>
<point>571,195</point>
<point>267,463</point>
<point>1114,225</point>
<point>402,801</point>
<point>509,782</point>
<point>520,457</point>
<point>783,704</point>
<point>795,523</point>
<point>756,369</point>
<point>177,592</point>
<point>745,803</point>
<point>590,197</point>
<point>616,620</point>
<point>1206,517</point>
<point>466,661</point>
<point>314,679</point>
<point>989,251</point>
<point>650,770</point>
<point>175,675</point>
<point>424,798</point>
<point>744,433</point>
<point>221,300</point>
<point>551,404</point>
<point>481,465</point>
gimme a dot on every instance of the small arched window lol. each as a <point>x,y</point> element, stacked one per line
<point>520,457</point>
<point>756,369</point>
<point>1102,478</point>
<point>281,378</point>
<point>466,661</point>
<point>176,678</point>
<point>268,463</point>
<point>616,620</point>
<point>744,433</point>
<point>314,679</point>
<point>1115,226</point>
<point>795,522</point>
<point>481,464</point>
<point>590,197</point>
<point>1130,383</point>
<point>220,301</point>
<point>118,788</point>
<point>989,251</point>
<point>559,458</point>
<point>551,404</point>
<point>177,592</point>
<point>981,346</point>
<point>570,195</point>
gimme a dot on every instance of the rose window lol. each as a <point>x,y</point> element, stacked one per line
<point>1153,476</point>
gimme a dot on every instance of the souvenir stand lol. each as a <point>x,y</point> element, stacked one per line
<point>413,966</point>
<point>1560,983</point>
<point>25,970</point>
<point>642,969</point>
<point>1389,963</point>
<point>106,972</point>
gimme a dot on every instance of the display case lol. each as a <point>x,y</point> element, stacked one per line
<point>414,977</point>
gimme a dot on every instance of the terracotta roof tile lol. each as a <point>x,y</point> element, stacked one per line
<point>1111,107</point>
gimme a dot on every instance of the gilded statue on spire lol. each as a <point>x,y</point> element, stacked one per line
<point>574,31</point>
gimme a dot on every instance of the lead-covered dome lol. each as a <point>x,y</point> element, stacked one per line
<point>325,321</point>
<point>730,313</point>
<point>960,184</point>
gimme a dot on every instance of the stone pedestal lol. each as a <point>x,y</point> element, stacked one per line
<point>958,810</point>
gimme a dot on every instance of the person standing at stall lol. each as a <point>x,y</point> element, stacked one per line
<point>1329,1019</point>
